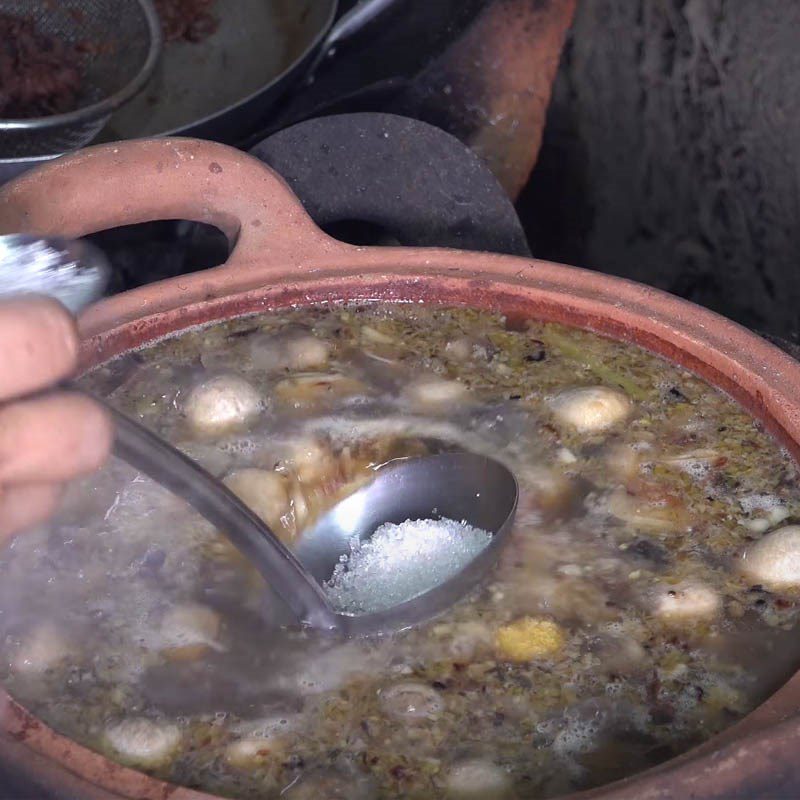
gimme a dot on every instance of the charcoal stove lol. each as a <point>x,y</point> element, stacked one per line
<point>368,178</point>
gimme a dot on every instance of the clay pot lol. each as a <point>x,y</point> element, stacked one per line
<point>280,258</point>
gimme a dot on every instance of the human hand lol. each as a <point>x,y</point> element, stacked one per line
<point>47,439</point>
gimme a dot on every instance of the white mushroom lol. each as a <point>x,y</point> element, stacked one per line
<point>142,742</point>
<point>411,701</point>
<point>43,648</point>
<point>478,778</point>
<point>459,349</point>
<point>774,561</point>
<point>433,392</point>
<point>221,404</point>
<point>687,602</point>
<point>591,408</point>
<point>307,352</point>
<point>266,492</point>
<point>190,629</point>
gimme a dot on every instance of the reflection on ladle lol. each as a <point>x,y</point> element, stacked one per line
<point>460,486</point>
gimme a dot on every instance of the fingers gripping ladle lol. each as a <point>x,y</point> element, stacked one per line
<point>464,486</point>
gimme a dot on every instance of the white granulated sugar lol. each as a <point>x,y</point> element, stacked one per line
<point>400,562</point>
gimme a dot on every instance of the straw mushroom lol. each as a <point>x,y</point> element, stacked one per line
<point>591,409</point>
<point>459,349</point>
<point>288,350</point>
<point>307,352</point>
<point>142,742</point>
<point>547,490</point>
<point>266,492</point>
<point>311,459</point>
<point>774,560</point>
<point>650,510</point>
<point>222,404</point>
<point>311,389</point>
<point>686,603</point>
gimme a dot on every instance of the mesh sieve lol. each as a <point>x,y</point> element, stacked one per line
<point>122,41</point>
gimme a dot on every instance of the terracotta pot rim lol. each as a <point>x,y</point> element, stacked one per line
<point>285,260</point>
<point>443,286</point>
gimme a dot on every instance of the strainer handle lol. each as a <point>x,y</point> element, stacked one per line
<point>107,186</point>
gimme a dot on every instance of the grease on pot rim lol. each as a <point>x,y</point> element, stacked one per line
<point>620,626</point>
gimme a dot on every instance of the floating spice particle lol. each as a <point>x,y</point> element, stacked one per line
<point>677,394</point>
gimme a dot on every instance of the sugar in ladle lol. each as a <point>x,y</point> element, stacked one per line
<point>458,485</point>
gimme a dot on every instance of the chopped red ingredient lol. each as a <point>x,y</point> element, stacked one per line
<point>187,20</point>
<point>40,75</point>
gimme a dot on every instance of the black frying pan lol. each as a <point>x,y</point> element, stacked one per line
<point>223,88</point>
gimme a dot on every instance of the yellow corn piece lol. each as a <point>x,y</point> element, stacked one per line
<point>529,638</point>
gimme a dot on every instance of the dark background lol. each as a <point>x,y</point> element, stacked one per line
<point>672,153</point>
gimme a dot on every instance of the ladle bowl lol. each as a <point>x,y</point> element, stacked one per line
<point>459,486</point>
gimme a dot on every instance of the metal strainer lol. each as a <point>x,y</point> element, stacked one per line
<point>122,40</point>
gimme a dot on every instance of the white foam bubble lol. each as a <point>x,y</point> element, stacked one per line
<point>400,562</point>
<point>580,736</point>
<point>239,447</point>
<point>759,502</point>
<point>698,470</point>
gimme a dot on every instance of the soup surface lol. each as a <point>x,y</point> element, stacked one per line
<point>645,600</point>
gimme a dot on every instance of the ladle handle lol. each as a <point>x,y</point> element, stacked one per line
<point>170,468</point>
<point>166,465</point>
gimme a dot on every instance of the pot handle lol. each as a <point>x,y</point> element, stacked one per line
<point>110,185</point>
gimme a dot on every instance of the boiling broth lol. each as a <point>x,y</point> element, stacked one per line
<point>618,630</point>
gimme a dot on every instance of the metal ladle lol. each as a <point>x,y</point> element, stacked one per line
<point>461,486</point>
